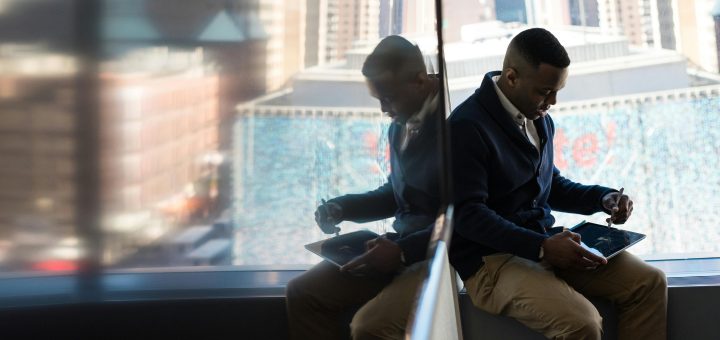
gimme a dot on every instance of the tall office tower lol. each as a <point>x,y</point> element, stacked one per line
<point>391,17</point>
<point>37,144</point>
<point>418,17</point>
<point>367,14</point>
<point>610,17</point>
<point>511,11</point>
<point>397,16</point>
<point>335,26</point>
<point>695,33</point>
<point>385,18</point>
<point>294,38</point>
<point>459,13</point>
<point>624,18</point>
<point>584,13</point>
<point>38,93</point>
<point>649,16</point>
<point>646,23</point>
<point>316,26</point>
<point>663,22</point>
<point>284,23</point>
<point>686,26</point>
<point>548,12</point>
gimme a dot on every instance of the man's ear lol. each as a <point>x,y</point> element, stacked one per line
<point>511,75</point>
<point>420,78</point>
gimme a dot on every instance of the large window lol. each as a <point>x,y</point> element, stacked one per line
<point>221,124</point>
<point>637,112</point>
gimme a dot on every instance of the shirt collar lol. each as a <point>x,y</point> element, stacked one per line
<point>514,113</point>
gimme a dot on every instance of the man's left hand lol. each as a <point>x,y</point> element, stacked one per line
<point>620,207</point>
<point>382,255</point>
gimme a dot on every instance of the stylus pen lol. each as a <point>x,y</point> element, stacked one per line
<point>337,233</point>
<point>610,220</point>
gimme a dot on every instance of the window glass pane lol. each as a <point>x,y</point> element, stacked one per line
<point>38,70</point>
<point>226,123</point>
<point>637,110</point>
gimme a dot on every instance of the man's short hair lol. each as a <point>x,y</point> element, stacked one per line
<point>537,45</point>
<point>397,55</point>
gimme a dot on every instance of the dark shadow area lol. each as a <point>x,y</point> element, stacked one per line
<point>239,318</point>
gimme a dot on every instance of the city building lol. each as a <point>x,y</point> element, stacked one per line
<point>385,20</point>
<point>159,147</point>
<point>418,17</point>
<point>584,13</point>
<point>335,26</point>
<point>37,150</point>
<point>618,17</point>
<point>548,13</point>
<point>461,13</point>
<point>159,130</point>
<point>687,27</point>
<point>695,33</point>
<point>230,32</point>
<point>609,63</point>
<point>316,32</point>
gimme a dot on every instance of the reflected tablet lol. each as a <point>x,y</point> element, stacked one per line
<point>606,241</point>
<point>341,249</point>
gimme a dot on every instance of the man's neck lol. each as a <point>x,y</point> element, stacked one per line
<point>429,89</point>
<point>504,86</point>
<point>434,85</point>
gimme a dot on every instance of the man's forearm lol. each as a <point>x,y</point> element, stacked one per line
<point>370,206</point>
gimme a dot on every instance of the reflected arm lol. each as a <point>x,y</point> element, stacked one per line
<point>370,206</point>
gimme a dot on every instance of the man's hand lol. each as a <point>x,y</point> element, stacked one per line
<point>327,216</point>
<point>619,205</point>
<point>382,255</point>
<point>564,251</point>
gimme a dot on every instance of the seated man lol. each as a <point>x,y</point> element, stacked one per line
<point>392,268</point>
<point>505,188</point>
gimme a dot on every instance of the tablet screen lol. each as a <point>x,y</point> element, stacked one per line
<point>606,240</point>
<point>341,249</point>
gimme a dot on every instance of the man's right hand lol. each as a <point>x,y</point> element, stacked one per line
<point>327,216</point>
<point>564,251</point>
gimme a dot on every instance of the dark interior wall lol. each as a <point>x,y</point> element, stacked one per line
<point>692,314</point>
<point>226,318</point>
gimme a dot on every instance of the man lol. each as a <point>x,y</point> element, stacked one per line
<point>384,281</point>
<point>505,187</point>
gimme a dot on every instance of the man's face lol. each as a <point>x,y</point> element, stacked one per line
<point>534,90</point>
<point>398,99</point>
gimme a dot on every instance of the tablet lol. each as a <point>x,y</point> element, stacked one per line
<point>343,248</point>
<point>605,241</point>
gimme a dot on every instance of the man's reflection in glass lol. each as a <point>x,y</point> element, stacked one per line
<point>383,281</point>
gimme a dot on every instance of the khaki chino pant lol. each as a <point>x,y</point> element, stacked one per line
<point>320,301</point>
<point>551,301</point>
